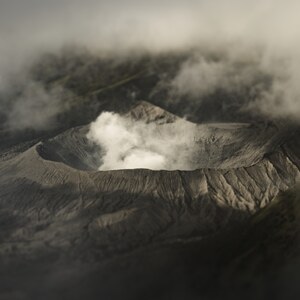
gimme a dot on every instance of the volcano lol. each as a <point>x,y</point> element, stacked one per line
<point>70,230</point>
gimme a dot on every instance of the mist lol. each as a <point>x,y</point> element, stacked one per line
<point>252,40</point>
<point>36,107</point>
<point>129,144</point>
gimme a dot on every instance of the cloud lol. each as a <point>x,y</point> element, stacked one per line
<point>30,26</point>
<point>201,76</point>
<point>263,84</point>
<point>130,144</point>
<point>266,30</point>
<point>36,107</point>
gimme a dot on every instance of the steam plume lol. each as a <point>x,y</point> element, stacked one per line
<point>129,144</point>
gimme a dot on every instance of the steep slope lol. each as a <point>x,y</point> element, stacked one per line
<point>167,203</point>
<point>265,258</point>
<point>57,209</point>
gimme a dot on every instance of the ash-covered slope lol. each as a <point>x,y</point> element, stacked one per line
<point>58,210</point>
<point>265,257</point>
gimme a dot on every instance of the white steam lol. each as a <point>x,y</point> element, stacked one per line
<point>129,144</point>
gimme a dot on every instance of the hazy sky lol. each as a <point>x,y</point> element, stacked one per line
<point>27,26</point>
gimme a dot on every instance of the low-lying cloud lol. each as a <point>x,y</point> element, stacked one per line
<point>130,144</point>
<point>201,76</point>
<point>36,107</point>
<point>264,33</point>
<point>268,88</point>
